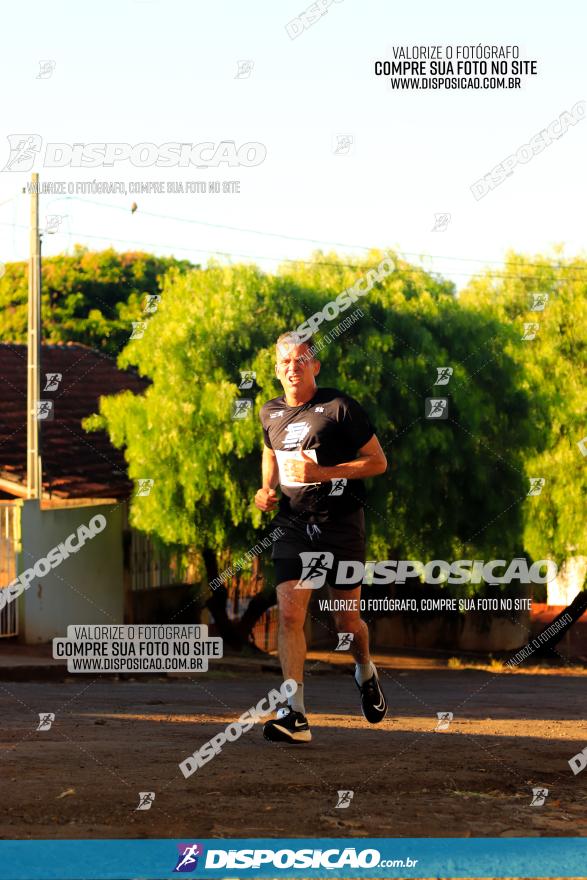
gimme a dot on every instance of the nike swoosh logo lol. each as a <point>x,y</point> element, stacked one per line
<point>380,706</point>
<point>300,723</point>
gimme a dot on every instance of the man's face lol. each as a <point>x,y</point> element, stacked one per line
<point>296,369</point>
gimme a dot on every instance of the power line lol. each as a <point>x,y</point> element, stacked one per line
<point>301,238</point>
<point>224,253</point>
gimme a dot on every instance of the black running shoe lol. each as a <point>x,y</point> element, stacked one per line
<point>288,726</point>
<point>373,700</point>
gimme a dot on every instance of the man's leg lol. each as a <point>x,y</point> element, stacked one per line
<point>348,620</point>
<point>291,724</point>
<point>291,640</point>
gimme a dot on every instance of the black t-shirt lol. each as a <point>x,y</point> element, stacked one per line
<point>330,428</point>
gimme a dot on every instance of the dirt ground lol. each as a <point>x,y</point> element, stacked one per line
<point>112,739</point>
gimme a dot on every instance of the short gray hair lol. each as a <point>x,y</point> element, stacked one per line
<point>293,338</point>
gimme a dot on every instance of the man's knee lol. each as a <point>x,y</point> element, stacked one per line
<point>347,621</point>
<point>292,608</point>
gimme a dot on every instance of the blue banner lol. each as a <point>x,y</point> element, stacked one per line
<point>293,858</point>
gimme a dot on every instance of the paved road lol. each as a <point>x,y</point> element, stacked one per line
<point>112,739</point>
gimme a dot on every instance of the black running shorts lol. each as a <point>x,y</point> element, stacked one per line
<point>325,546</point>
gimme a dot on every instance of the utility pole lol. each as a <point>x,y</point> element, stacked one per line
<point>34,349</point>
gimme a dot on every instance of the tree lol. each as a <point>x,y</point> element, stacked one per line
<point>454,487</point>
<point>89,297</point>
<point>551,294</point>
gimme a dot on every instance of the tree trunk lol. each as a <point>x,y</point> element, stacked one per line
<point>236,633</point>
<point>575,610</point>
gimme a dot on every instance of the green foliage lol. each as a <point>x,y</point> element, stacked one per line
<point>89,297</point>
<point>555,372</point>
<point>453,489</point>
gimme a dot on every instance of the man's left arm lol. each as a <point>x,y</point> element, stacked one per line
<point>370,462</point>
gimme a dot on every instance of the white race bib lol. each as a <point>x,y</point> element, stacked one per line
<point>282,456</point>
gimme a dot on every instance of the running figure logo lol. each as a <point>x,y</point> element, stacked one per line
<point>23,151</point>
<point>242,407</point>
<point>247,379</point>
<point>441,222</point>
<point>539,302</point>
<point>338,486</point>
<point>344,641</point>
<point>444,374</point>
<point>44,410</point>
<point>436,408</point>
<point>138,329</point>
<point>344,800</point>
<point>530,330</point>
<point>536,485</point>
<point>444,719</point>
<point>46,719</point>
<point>315,568</point>
<point>152,303</point>
<point>146,799</point>
<point>46,69</point>
<point>187,860</point>
<point>53,380</point>
<point>539,796</point>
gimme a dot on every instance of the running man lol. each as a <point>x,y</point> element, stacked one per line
<point>319,445</point>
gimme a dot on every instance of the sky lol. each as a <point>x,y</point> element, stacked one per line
<point>158,71</point>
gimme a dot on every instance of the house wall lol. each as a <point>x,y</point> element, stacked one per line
<point>86,588</point>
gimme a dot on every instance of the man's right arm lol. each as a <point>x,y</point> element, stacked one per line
<point>266,497</point>
<point>269,468</point>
